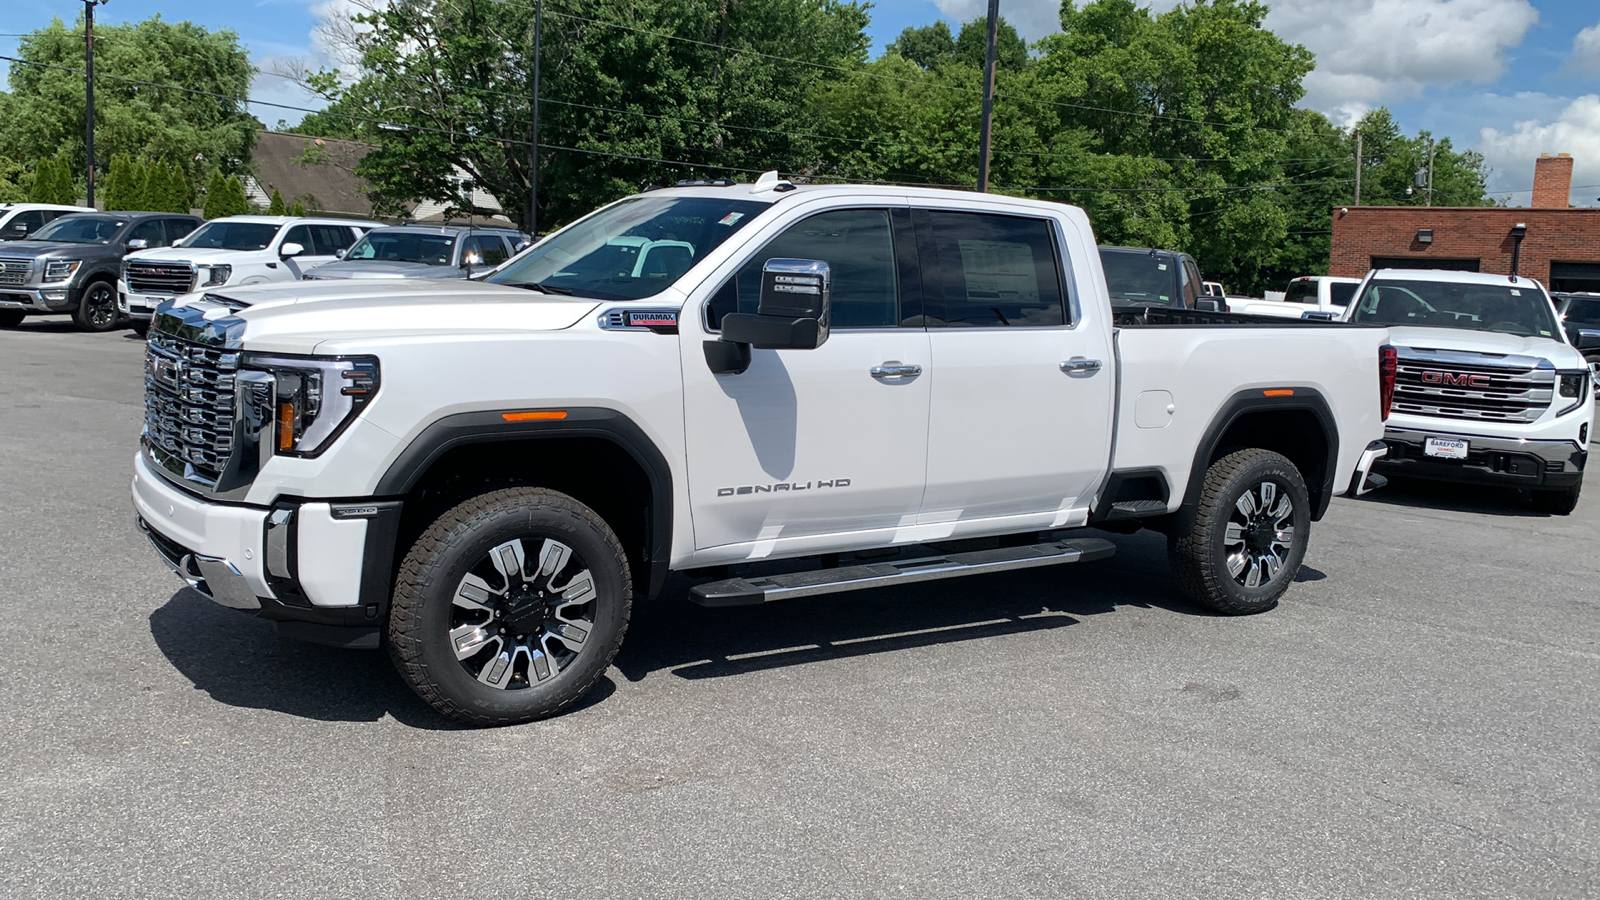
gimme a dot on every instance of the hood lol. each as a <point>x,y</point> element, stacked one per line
<point>384,268</point>
<point>1489,343</point>
<point>296,316</point>
<point>188,254</point>
<point>38,249</point>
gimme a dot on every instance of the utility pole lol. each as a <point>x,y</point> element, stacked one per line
<point>1358,169</point>
<point>533,164</point>
<point>88,93</point>
<point>1430,171</point>
<point>986,130</point>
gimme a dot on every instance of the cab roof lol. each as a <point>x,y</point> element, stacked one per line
<point>1453,276</point>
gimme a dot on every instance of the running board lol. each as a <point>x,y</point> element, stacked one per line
<point>753,591</point>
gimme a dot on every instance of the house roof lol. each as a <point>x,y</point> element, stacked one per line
<point>318,172</point>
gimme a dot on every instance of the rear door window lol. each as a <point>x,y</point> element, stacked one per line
<point>995,271</point>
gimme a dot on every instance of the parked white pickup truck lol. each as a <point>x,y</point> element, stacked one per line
<point>485,475</point>
<point>1488,390</point>
<point>232,251</point>
<point>1309,296</point>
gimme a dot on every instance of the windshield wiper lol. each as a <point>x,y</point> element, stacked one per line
<point>541,288</point>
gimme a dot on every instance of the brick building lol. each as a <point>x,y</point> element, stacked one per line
<point>1560,244</point>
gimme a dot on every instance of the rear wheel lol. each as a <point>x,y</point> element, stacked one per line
<point>1249,534</point>
<point>11,318</point>
<point>510,607</point>
<point>97,309</point>
<point>1557,501</point>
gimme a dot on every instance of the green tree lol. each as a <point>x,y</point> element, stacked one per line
<point>298,209</point>
<point>972,45</point>
<point>276,207</point>
<point>1394,161</point>
<point>151,186</point>
<point>929,46</point>
<point>718,102</point>
<point>237,202</point>
<point>45,107</point>
<point>11,181</point>
<point>53,182</point>
<point>216,187</point>
<point>180,196</point>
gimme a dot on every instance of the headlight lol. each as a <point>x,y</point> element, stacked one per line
<point>61,269</point>
<point>217,275</point>
<point>1573,386</point>
<point>313,399</point>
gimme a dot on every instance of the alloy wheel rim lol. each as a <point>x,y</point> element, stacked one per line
<point>102,306</point>
<point>1260,534</point>
<point>517,619</point>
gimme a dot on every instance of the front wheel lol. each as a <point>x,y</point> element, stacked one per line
<point>97,309</point>
<point>11,318</point>
<point>510,607</point>
<point>141,327</point>
<point>1557,501</point>
<point>1249,534</point>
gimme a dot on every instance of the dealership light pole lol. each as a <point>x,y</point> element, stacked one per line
<point>88,92</point>
<point>533,164</point>
<point>986,129</point>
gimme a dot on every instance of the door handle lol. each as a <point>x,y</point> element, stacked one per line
<point>1079,364</point>
<point>896,370</point>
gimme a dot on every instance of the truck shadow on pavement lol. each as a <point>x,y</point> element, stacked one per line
<point>1481,499</point>
<point>242,662</point>
<point>672,634</point>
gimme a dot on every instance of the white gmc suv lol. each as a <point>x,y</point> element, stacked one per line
<point>852,386</point>
<point>1488,390</point>
<point>235,250</point>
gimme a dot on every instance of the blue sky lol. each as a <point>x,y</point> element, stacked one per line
<point>1511,78</point>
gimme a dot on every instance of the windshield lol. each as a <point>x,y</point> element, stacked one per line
<point>631,250</point>
<point>231,236</point>
<point>1138,277</point>
<point>80,230</point>
<point>1508,309</point>
<point>404,246</point>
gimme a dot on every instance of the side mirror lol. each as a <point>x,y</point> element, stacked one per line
<point>291,249</point>
<point>1208,304</point>
<point>339,254</point>
<point>1588,339</point>
<point>794,310</point>
<point>177,242</point>
<point>521,246</point>
<point>138,244</point>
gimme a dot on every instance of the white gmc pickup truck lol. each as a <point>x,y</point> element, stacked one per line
<point>882,385</point>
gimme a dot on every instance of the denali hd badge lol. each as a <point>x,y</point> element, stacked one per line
<point>780,488</point>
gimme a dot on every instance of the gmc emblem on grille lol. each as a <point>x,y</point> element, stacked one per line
<point>1456,379</point>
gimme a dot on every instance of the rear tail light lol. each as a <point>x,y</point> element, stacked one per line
<point>1388,367</point>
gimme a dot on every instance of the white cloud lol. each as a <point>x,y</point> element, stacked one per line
<point>1575,130</point>
<point>1376,51</point>
<point>1033,19</point>
<point>1586,50</point>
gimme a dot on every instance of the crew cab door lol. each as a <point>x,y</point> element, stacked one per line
<point>807,443</point>
<point>1024,379</point>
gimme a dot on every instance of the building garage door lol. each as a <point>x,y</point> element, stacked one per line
<point>1574,276</point>
<point>1423,262</point>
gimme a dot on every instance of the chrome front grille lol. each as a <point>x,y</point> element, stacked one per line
<point>1473,386</point>
<point>14,271</point>
<point>189,403</point>
<point>158,277</point>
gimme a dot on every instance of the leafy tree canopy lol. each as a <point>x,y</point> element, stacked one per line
<point>45,109</point>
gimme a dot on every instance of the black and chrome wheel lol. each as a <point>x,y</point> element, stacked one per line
<point>521,618</point>
<point>510,607</point>
<point>97,309</point>
<point>1249,534</point>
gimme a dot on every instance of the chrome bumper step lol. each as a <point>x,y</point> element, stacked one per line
<point>753,591</point>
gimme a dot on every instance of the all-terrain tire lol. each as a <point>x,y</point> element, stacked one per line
<point>1214,559</point>
<point>1557,501</point>
<point>11,318</point>
<point>461,559</point>
<point>97,308</point>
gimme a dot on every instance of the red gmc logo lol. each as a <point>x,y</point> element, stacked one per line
<point>1453,379</point>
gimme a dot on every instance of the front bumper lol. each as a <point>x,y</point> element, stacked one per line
<point>41,300</point>
<point>1516,462</point>
<point>321,571</point>
<point>140,307</point>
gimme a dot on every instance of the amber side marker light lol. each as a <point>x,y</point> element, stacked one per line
<point>537,415</point>
<point>1278,392</point>
<point>286,426</point>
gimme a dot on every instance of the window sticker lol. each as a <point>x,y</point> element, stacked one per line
<point>1516,293</point>
<point>1161,266</point>
<point>731,218</point>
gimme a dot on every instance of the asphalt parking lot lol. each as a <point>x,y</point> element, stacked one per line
<point>1420,718</point>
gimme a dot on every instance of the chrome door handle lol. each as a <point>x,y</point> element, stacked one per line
<point>1079,364</point>
<point>896,370</point>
